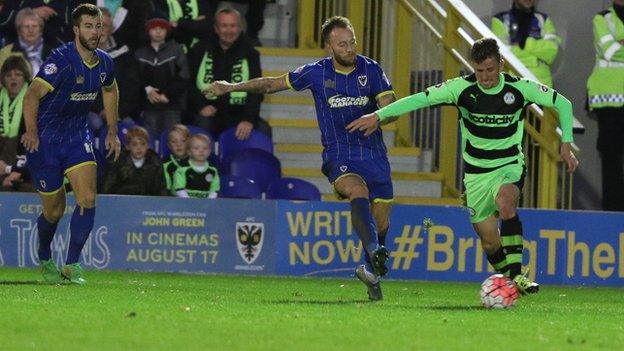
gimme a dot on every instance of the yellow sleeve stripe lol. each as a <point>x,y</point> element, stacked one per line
<point>108,87</point>
<point>44,82</point>
<point>288,81</point>
<point>384,93</point>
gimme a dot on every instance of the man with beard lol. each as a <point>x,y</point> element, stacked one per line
<point>531,35</point>
<point>345,86</point>
<point>229,55</point>
<point>58,141</point>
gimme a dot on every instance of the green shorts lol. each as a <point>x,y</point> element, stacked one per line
<point>482,188</point>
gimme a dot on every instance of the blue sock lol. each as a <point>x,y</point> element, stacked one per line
<point>80,227</point>
<point>46,232</point>
<point>363,223</point>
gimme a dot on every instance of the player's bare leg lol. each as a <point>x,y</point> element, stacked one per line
<point>83,181</point>
<point>53,209</point>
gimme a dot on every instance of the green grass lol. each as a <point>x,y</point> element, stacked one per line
<point>156,311</point>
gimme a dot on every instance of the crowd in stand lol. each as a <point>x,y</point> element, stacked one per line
<point>165,53</point>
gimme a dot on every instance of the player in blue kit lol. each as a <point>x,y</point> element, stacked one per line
<point>344,86</point>
<point>58,141</point>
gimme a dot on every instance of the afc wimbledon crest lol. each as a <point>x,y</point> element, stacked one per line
<point>249,240</point>
<point>363,80</point>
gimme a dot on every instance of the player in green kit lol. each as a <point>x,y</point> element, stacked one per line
<point>491,107</point>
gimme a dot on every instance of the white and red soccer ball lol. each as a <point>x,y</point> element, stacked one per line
<point>498,291</point>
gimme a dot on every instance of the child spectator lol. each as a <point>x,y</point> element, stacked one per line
<point>199,179</point>
<point>138,171</point>
<point>177,140</point>
<point>163,72</point>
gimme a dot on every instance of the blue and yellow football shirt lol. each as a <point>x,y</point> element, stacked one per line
<point>341,97</point>
<point>74,86</point>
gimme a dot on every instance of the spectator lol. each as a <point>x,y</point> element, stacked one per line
<point>138,171</point>
<point>177,140</point>
<point>254,18</point>
<point>52,12</point>
<point>199,179</point>
<point>226,55</point>
<point>126,69</point>
<point>29,43</point>
<point>190,19</point>
<point>605,88</point>
<point>128,18</point>
<point>163,73</point>
<point>531,35</point>
<point>15,78</point>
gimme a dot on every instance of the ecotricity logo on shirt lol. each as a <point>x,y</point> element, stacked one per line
<point>338,101</point>
<point>83,96</point>
<point>495,119</point>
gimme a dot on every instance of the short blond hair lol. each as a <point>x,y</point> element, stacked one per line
<point>179,128</point>
<point>200,137</point>
<point>137,132</point>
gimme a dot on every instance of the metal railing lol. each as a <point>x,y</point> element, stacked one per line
<point>424,42</point>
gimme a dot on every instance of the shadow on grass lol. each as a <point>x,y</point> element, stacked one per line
<point>315,302</point>
<point>23,282</point>
<point>453,308</point>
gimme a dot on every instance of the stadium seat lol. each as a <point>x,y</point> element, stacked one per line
<point>293,189</point>
<point>163,147</point>
<point>255,164</point>
<point>229,145</point>
<point>239,188</point>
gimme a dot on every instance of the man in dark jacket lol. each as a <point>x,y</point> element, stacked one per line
<point>126,69</point>
<point>226,55</point>
<point>164,74</point>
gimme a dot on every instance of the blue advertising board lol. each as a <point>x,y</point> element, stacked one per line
<point>312,238</point>
<point>149,234</point>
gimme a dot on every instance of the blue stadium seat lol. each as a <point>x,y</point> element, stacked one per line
<point>122,129</point>
<point>229,145</point>
<point>163,148</point>
<point>239,187</point>
<point>293,189</point>
<point>255,164</point>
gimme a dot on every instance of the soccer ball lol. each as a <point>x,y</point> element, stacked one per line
<point>498,291</point>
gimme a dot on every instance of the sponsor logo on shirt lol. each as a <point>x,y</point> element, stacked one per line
<point>496,120</point>
<point>338,101</point>
<point>83,96</point>
<point>50,68</point>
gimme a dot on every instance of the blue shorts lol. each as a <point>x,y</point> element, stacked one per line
<point>51,162</point>
<point>375,173</point>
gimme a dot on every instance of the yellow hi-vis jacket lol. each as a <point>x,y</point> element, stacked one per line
<point>605,86</point>
<point>539,50</point>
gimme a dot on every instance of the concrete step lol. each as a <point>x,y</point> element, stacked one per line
<point>306,131</point>
<point>402,159</point>
<point>410,185</point>
<point>286,59</point>
<point>276,111</point>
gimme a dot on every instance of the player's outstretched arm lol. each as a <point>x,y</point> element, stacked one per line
<point>369,123</point>
<point>263,85</point>
<point>110,96</point>
<point>35,92</point>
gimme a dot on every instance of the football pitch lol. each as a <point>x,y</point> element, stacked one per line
<point>159,311</point>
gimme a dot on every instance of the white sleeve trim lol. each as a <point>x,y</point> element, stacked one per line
<point>611,50</point>
<point>606,38</point>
